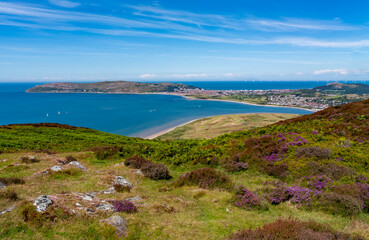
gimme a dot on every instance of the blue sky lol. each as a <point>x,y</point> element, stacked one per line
<point>162,40</point>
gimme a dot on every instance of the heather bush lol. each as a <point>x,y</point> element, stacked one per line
<point>276,170</point>
<point>292,229</point>
<point>136,162</point>
<point>207,178</point>
<point>245,199</point>
<point>318,182</point>
<point>316,152</point>
<point>344,205</point>
<point>359,191</point>
<point>9,195</point>
<point>234,166</point>
<point>122,188</point>
<point>11,180</point>
<point>156,171</point>
<point>124,206</point>
<point>103,153</point>
<point>330,170</point>
<point>29,160</point>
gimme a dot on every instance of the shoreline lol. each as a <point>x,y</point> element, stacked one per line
<point>158,134</point>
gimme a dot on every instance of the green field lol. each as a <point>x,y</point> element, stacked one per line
<point>214,126</point>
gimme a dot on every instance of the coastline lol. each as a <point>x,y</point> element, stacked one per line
<point>158,134</point>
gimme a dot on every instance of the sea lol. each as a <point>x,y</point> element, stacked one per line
<point>134,115</point>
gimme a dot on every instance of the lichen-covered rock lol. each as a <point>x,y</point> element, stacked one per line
<point>42,203</point>
<point>134,199</point>
<point>139,172</point>
<point>122,181</point>
<point>78,165</point>
<point>2,185</point>
<point>56,168</point>
<point>110,190</point>
<point>104,207</point>
<point>118,223</point>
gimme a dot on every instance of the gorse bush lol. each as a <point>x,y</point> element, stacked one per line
<point>136,162</point>
<point>316,152</point>
<point>283,229</point>
<point>207,178</point>
<point>156,171</point>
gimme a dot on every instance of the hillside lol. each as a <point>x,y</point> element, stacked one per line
<point>307,176</point>
<point>214,126</point>
<point>110,87</point>
<point>354,88</point>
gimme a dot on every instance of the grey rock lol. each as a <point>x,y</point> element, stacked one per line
<point>86,197</point>
<point>122,181</point>
<point>32,157</point>
<point>134,199</point>
<point>7,210</point>
<point>118,222</point>
<point>2,185</point>
<point>78,165</point>
<point>104,207</point>
<point>89,210</point>
<point>42,203</point>
<point>56,168</point>
<point>139,172</point>
<point>110,190</point>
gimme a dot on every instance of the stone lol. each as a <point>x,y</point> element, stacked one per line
<point>118,223</point>
<point>110,190</point>
<point>104,207</point>
<point>2,185</point>
<point>134,199</point>
<point>7,210</point>
<point>77,165</point>
<point>122,181</point>
<point>139,172</point>
<point>42,203</point>
<point>56,168</point>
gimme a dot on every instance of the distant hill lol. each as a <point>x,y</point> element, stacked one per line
<point>110,87</point>
<point>355,88</point>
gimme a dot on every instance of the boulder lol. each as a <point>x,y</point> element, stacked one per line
<point>77,165</point>
<point>122,181</point>
<point>139,172</point>
<point>2,185</point>
<point>110,190</point>
<point>56,168</point>
<point>134,199</point>
<point>104,207</point>
<point>118,223</point>
<point>42,203</point>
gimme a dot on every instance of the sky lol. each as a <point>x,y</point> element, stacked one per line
<point>170,40</point>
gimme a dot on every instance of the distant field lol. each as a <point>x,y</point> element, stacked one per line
<point>214,126</point>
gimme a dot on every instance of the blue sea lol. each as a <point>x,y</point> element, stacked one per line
<point>135,115</point>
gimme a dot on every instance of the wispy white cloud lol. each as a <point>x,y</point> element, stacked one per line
<point>64,3</point>
<point>191,76</point>
<point>143,76</point>
<point>331,71</point>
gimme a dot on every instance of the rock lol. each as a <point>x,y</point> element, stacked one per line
<point>86,197</point>
<point>110,190</point>
<point>89,210</point>
<point>77,165</point>
<point>134,199</point>
<point>2,185</point>
<point>32,157</point>
<point>118,222</point>
<point>42,203</point>
<point>104,207</point>
<point>7,210</point>
<point>78,204</point>
<point>139,172</point>
<point>56,168</point>
<point>122,181</point>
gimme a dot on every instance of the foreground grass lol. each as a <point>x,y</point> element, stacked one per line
<point>209,215</point>
<point>214,126</point>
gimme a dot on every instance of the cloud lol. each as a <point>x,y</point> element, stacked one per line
<point>147,76</point>
<point>64,3</point>
<point>299,73</point>
<point>331,71</point>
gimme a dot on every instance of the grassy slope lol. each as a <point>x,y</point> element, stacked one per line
<point>218,125</point>
<point>206,217</point>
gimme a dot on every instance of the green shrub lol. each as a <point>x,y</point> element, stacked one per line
<point>207,178</point>
<point>103,153</point>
